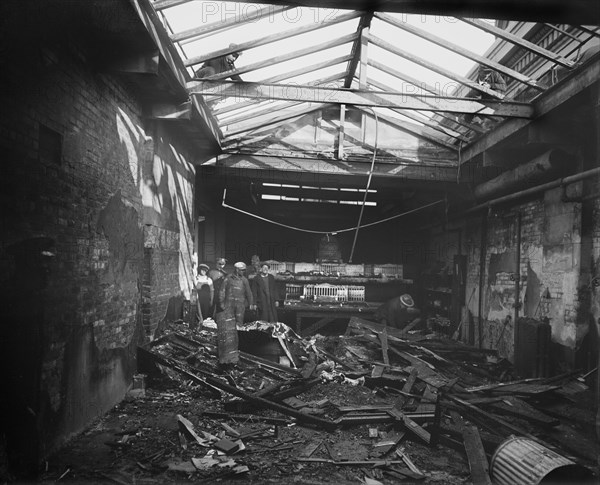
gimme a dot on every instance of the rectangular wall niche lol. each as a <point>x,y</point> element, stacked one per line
<point>50,146</point>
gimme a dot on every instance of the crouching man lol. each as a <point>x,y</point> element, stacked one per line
<point>399,312</point>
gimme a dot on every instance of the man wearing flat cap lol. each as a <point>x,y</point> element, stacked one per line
<point>399,312</point>
<point>234,296</point>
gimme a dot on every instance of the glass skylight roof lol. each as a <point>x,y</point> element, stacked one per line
<point>410,54</point>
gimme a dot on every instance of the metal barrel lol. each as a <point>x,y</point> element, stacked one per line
<point>522,461</point>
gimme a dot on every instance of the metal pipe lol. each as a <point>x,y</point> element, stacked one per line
<point>534,190</point>
<point>482,256</point>
<point>518,271</point>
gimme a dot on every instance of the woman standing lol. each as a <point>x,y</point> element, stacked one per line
<point>206,291</point>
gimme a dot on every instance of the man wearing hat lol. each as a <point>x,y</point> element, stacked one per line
<point>217,275</point>
<point>399,312</point>
<point>220,64</point>
<point>234,296</point>
<point>205,289</point>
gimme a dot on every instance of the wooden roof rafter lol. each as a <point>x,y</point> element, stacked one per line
<point>518,41</point>
<point>288,75</point>
<point>434,67</point>
<point>422,133</point>
<point>253,114</point>
<point>365,22</point>
<point>276,119</point>
<point>447,44</point>
<point>164,4</point>
<point>421,85</point>
<point>273,38</point>
<point>427,121</point>
<point>192,35</point>
<point>279,59</point>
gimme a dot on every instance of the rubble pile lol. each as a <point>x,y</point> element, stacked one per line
<point>373,406</point>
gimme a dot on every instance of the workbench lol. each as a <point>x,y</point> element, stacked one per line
<point>310,317</point>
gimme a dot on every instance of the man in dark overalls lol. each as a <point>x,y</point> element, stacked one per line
<point>234,296</point>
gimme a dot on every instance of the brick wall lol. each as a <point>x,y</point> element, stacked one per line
<point>168,216</point>
<point>77,227</point>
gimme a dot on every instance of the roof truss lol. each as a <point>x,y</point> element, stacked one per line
<point>444,119</point>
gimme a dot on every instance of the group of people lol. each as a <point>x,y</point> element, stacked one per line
<point>225,298</point>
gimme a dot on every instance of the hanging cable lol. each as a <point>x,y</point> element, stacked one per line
<point>381,221</point>
<point>362,207</point>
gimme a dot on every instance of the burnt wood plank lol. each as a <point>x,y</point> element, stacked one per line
<point>478,463</point>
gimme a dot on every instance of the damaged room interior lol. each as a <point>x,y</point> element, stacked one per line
<point>300,242</point>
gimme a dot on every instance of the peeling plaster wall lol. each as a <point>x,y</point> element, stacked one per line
<point>549,270</point>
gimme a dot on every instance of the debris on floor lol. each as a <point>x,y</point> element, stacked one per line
<point>373,406</point>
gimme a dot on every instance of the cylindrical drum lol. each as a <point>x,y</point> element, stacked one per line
<point>522,461</point>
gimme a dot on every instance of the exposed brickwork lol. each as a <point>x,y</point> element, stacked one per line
<point>89,205</point>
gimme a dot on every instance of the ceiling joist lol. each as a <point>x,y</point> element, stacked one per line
<point>318,94</point>
<point>322,169</point>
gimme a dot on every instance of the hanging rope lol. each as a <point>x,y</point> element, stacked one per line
<point>362,207</point>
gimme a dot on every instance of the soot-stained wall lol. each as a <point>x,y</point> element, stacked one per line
<point>554,280</point>
<point>87,191</point>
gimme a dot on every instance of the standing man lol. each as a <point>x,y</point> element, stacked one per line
<point>234,296</point>
<point>265,295</point>
<point>217,275</point>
